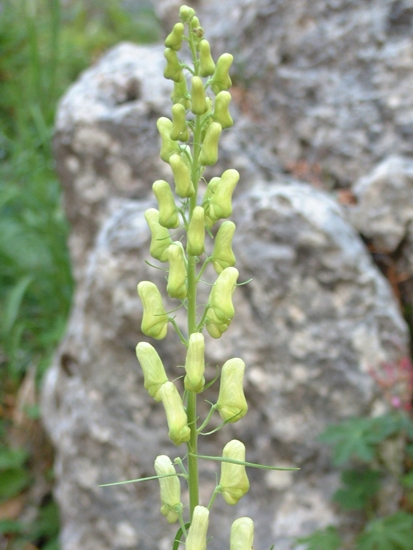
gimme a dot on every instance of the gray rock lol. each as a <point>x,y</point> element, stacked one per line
<point>332,78</point>
<point>313,325</point>
<point>384,210</point>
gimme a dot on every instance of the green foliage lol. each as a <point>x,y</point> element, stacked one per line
<point>394,532</point>
<point>360,486</point>
<point>323,539</point>
<point>358,442</point>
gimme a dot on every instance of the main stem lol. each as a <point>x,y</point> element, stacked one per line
<point>192,324</point>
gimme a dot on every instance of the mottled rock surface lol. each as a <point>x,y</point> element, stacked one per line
<point>333,78</point>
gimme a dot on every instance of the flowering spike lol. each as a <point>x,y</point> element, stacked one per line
<point>195,363</point>
<point>196,232</point>
<point>182,175</point>
<point>234,481</point>
<point>221,79</point>
<point>223,256</point>
<point>179,130</point>
<point>199,104</point>
<point>154,320</point>
<point>170,488</point>
<point>217,201</point>
<point>176,287</point>
<point>161,239</point>
<point>197,534</point>
<point>153,370</point>
<point>232,405</point>
<point>242,534</point>
<point>206,63</point>
<point>221,112</point>
<point>209,151</point>
<point>173,69</point>
<point>174,39</point>
<point>176,417</point>
<point>221,310</point>
<point>168,212</point>
<point>168,146</point>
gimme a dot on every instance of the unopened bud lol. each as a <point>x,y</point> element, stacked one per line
<point>180,94</point>
<point>174,39</point>
<point>168,146</point>
<point>179,128</point>
<point>221,310</point>
<point>194,23</point>
<point>160,238</point>
<point>221,79</point>
<point>186,13</point>
<point>179,430</point>
<point>173,69</point>
<point>199,105</point>
<point>221,112</point>
<point>209,151</point>
<point>195,363</point>
<point>222,255</point>
<point>182,176</point>
<point>170,488</point>
<point>197,534</point>
<point>176,287</point>
<point>232,405</point>
<point>196,232</point>
<point>234,481</point>
<point>206,63</point>
<point>242,534</point>
<point>154,375</point>
<point>168,212</point>
<point>217,201</point>
<point>154,320</point>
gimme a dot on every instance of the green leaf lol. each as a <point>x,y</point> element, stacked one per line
<point>241,462</point>
<point>178,536</point>
<point>359,488</point>
<point>390,533</point>
<point>323,539</point>
<point>8,526</point>
<point>138,480</point>
<point>12,482</point>
<point>13,302</point>
<point>12,458</point>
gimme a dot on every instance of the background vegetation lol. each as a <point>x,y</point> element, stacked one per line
<point>44,44</point>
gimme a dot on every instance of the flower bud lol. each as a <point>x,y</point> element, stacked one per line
<point>154,320</point>
<point>170,488</point>
<point>186,13</point>
<point>222,255</point>
<point>206,63</point>
<point>234,481</point>
<point>174,39</point>
<point>168,212</point>
<point>179,128</point>
<point>221,79</point>
<point>160,236</point>
<point>199,104</point>
<point>197,534</point>
<point>221,310</point>
<point>209,151</point>
<point>196,232</point>
<point>180,94</point>
<point>221,112</point>
<point>232,405</point>
<point>176,417</point>
<point>182,176</point>
<point>168,146</point>
<point>176,287</point>
<point>194,23</point>
<point>195,363</point>
<point>242,534</point>
<point>173,69</point>
<point>217,201</point>
<point>154,375</point>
